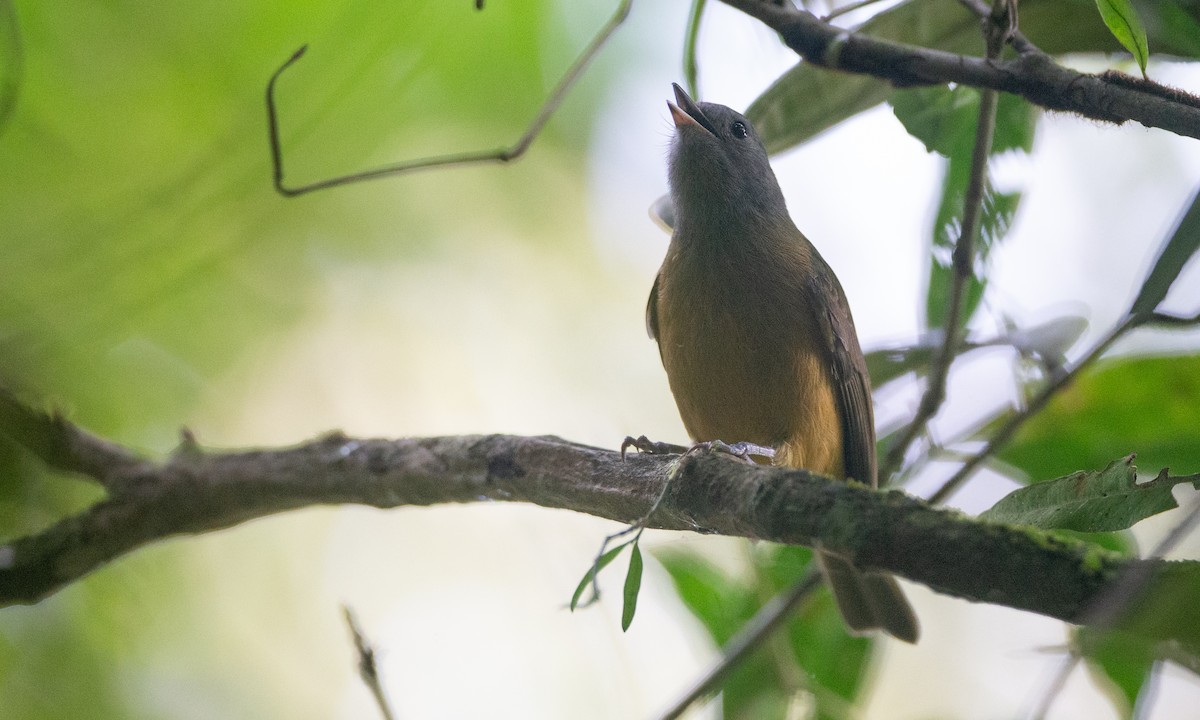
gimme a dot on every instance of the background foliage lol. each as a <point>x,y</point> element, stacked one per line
<point>150,277</point>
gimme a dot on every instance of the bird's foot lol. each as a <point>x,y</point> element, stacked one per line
<point>745,450</point>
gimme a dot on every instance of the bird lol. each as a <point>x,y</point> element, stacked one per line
<point>756,336</point>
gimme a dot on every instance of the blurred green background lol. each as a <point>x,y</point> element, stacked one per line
<point>151,278</point>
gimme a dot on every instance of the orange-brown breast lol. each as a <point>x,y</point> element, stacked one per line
<point>745,359</point>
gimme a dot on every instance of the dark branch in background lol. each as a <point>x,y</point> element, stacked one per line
<point>368,670</point>
<point>196,491</point>
<point>1032,74</point>
<point>501,155</point>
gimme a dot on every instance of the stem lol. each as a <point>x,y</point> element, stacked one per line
<point>963,259</point>
<point>691,71</point>
<point>506,154</point>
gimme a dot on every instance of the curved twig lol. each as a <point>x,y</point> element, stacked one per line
<point>368,667</point>
<point>500,155</point>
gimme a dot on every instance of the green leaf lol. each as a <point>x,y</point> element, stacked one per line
<point>1122,20</point>
<point>1122,668</point>
<point>945,120</point>
<point>834,661</point>
<point>590,576</point>
<point>937,300</point>
<point>1148,404</point>
<point>11,62</point>
<point>941,118</point>
<point>1172,28</point>
<point>1178,249</point>
<point>633,584</point>
<point>721,605</point>
<point>781,565</point>
<point>1089,501</point>
<point>807,100</point>
<point>691,70</point>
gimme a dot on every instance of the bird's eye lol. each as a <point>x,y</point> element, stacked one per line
<point>739,130</point>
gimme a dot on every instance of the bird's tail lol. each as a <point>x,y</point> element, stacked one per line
<point>869,601</point>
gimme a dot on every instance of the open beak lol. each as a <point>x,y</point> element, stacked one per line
<point>687,112</point>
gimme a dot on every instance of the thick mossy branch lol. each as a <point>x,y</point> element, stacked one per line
<point>197,491</point>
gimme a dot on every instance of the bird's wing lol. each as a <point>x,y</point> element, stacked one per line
<point>652,311</point>
<point>848,367</point>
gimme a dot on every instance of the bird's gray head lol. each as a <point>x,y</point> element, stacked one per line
<point>719,171</point>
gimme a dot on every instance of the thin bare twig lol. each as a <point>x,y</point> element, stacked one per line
<point>367,668</point>
<point>751,635</point>
<point>1055,688</point>
<point>500,155</point>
